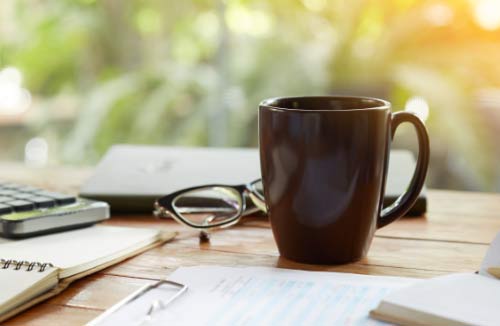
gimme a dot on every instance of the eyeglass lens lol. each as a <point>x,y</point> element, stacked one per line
<point>209,206</point>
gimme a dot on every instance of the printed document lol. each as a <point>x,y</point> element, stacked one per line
<point>261,296</point>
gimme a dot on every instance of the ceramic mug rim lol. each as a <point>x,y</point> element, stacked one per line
<point>272,103</point>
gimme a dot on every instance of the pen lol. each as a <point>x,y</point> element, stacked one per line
<point>495,271</point>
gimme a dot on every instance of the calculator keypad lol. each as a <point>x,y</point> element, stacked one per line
<point>21,198</point>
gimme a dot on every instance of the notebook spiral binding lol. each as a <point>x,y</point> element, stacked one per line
<point>24,264</point>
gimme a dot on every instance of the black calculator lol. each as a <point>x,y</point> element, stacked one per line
<point>28,211</point>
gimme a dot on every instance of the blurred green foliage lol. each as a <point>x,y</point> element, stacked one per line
<point>193,72</point>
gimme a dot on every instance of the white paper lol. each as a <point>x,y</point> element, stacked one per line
<point>492,257</point>
<point>265,296</point>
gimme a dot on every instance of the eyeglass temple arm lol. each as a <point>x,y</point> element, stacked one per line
<point>258,202</point>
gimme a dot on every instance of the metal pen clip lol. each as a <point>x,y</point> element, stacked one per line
<point>155,307</point>
<point>158,305</point>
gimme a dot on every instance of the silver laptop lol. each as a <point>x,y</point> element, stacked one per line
<point>131,177</point>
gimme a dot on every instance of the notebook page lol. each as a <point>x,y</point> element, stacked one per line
<point>263,296</point>
<point>79,250</point>
<point>19,286</point>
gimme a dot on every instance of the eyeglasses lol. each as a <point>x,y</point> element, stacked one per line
<point>211,206</point>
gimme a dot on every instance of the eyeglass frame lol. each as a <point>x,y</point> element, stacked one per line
<point>164,206</point>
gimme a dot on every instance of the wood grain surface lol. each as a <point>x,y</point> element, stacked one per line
<point>452,237</point>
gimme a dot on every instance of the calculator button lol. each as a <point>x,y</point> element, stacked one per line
<point>22,195</point>
<point>5,209</point>
<point>27,189</point>
<point>7,192</point>
<point>61,199</point>
<point>9,185</point>
<point>20,205</point>
<point>42,202</point>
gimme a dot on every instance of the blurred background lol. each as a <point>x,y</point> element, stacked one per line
<point>77,76</point>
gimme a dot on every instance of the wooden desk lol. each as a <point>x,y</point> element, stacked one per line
<point>453,237</point>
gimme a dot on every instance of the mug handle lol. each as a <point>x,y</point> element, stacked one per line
<point>404,202</point>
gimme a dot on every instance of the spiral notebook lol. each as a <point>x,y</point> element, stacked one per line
<point>35,269</point>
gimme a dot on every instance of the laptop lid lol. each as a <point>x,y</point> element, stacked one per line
<point>131,177</point>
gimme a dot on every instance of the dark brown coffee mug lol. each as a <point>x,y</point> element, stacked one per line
<point>324,163</point>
